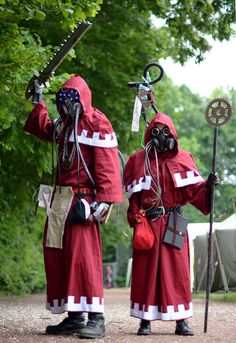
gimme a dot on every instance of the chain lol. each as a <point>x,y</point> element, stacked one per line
<point>67,158</point>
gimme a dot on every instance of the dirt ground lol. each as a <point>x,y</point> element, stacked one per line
<point>23,320</point>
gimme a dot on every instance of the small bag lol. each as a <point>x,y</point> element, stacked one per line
<point>80,212</point>
<point>176,230</point>
<point>143,234</point>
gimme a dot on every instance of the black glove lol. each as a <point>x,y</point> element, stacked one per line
<point>34,90</point>
<point>213,179</point>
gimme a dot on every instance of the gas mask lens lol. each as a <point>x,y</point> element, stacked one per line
<point>166,131</point>
<point>155,131</point>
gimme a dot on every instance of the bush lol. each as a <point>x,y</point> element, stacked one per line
<point>21,258</point>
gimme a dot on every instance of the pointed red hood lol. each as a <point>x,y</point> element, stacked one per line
<point>93,128</point>
<point>78,83</point>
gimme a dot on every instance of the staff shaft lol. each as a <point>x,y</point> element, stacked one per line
<point>209,261</point>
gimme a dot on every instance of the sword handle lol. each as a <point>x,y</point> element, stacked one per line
<point>36,98</point>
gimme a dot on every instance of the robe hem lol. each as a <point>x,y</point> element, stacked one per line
<point>97,305</point>
<point>154,314</point>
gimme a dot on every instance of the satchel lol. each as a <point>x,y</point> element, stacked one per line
<point>143,234</point>
<point>176,230</point>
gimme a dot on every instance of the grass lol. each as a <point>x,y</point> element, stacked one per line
<point>221,296</point>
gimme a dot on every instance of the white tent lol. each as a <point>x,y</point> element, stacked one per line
<point>228,224</point>
<point>194,230</point>
<point>224,255</point>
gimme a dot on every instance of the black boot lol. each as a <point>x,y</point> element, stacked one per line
<point>183,329</point>
<point>95,327</point>
<point>70,325</point>
<point>145,328</point>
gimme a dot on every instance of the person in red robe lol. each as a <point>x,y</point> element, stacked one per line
<point>87,183</point>
<point>159,180</point>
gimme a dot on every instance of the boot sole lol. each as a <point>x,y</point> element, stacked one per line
<point>91,335</point>
<point>72,332</point>
<point>184,334</point>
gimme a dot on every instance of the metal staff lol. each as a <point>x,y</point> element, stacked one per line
<point>218,112</point>
<point>153,73</point>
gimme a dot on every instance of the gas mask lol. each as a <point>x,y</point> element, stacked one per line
<point>162,139</point>
<point>67,101</point>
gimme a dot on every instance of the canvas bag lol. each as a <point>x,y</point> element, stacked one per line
<point>143,234</point>
<point>57,215</point>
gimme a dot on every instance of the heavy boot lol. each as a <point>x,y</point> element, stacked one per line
<point>145,328</point>
<point>95,327</point>
<point>70,325</point>
<point>183,329</point>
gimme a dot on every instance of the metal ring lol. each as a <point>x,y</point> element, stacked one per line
<point>153,64</point>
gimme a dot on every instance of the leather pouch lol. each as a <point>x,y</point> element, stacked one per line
<point>80,211</point>
<point>176,230</point>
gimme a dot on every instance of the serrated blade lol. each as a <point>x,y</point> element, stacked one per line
<point>59,56</point>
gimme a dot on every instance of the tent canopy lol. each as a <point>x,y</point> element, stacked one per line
<point>224,255</point>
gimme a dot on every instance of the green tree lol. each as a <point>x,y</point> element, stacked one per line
<point>27,42</point>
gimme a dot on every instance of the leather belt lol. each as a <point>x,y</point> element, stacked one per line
<point>85,192</point>
<point>161,212</point>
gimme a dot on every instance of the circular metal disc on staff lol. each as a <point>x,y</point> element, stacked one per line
<point>218,112</point>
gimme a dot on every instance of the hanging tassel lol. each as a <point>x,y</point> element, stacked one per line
<point>136,115</point>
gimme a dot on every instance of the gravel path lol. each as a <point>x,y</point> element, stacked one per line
<point>23,320</point>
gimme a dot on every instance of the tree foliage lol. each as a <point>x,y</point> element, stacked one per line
<point>123,38</point>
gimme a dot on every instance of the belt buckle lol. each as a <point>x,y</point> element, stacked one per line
<point>160,214</point>
<point>163,211</point>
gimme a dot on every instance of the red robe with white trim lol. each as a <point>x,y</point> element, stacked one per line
<point>74,273</point>
<point>161,276</point>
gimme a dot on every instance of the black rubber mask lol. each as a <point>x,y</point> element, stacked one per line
<point>67,101</point>
<point>162,139</point>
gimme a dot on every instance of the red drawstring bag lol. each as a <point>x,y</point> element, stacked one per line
<point>143,235</point>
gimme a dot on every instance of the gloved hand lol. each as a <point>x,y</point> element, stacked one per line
<point>213,179</point>
<point>38,87</point>
<point>37,92</point>
<point>35,89</point>
<point>100,211</point>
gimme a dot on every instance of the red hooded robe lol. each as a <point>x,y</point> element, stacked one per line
<point>74,273</point>
<point>161,276</point>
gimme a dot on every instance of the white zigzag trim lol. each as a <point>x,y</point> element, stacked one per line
<point>154,314</point>
<point>110,140</point>
<point>137,187</point>
<point>82,306</point>
<point>191,179</point>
